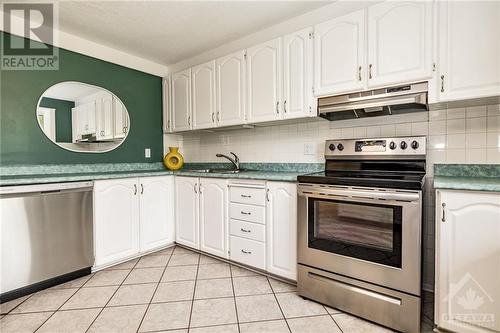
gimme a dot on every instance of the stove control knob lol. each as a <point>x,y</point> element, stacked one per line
<point>340,147</point>
<point>392,145</point>
<point>331,147</point>
<point>403,145</point>
<point>414,144</point>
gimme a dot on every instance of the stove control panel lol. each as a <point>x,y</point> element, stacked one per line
<point>403,147</point>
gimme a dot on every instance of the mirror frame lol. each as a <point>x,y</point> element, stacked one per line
<point>79,151</point>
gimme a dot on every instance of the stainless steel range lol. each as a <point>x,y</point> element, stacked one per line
<point>359,242</point>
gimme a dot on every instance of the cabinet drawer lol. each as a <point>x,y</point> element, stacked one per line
<point>248,213</point>
<point>248,230</point>
<point>248,195</point>
<point>248,252</point>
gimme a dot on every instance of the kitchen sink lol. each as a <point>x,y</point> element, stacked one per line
<point>228,171</point>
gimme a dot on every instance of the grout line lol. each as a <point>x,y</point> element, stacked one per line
<point>331,316</point>
<point>154,292</point>
<point>27,298</point>
<point>279,305</point>
<point>234,298</point>
<point>194,291</point>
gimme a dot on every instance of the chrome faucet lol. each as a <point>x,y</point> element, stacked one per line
<point>235,162</point>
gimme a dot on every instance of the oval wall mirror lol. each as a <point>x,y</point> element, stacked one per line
<point>82,118</point>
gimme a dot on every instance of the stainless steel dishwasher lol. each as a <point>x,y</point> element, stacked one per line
<point>46,236</point>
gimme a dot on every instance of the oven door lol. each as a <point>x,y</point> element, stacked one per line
<point>373,235</point>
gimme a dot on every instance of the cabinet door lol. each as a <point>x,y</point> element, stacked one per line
<point>399,42</point>
<point>264,81</point>
<point>339,54</point>
<point>116,220</point>
<point>282,229</point>
<point>181,100</point>
<point>186,211</point>
<point>80,121</point>
<point>167,128</point>
<point>203,90</point>
<point>231,89</point>
<point>297,74</point>
<point>213,221</point>
<point>121,119</point>
<point>156,207</point>
<point>105,121</point>
<point>469,49</point>
<point>467,260</point>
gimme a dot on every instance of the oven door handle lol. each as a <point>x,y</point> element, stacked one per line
<point>360,194</point>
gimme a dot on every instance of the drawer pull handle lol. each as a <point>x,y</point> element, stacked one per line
<point>245,213</point>
<point>245,196</point>
<point>246,252</point>
<point>443,218</point>
<point>245,230</point>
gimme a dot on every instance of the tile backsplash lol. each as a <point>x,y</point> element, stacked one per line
<point>454,135</point>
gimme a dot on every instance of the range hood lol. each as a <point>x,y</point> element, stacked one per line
<point>402,99</point>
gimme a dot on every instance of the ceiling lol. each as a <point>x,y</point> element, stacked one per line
<point>167,32</point>
<point>70,91</point>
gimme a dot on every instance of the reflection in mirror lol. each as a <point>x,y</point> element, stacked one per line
<point>82,118</point>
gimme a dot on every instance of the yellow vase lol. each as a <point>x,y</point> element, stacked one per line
<point>173,160</point>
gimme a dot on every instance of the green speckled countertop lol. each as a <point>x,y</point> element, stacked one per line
<point>475,177</point>
<point>56,173</point>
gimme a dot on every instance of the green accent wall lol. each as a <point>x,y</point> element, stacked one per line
<point>23,142</point>
<point>63,117</point>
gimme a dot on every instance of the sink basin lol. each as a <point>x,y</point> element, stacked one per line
<point>229,171</point>
<point>198,170</point>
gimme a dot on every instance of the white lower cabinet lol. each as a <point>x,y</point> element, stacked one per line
<point>213,196</point>
<point>131,215</point>
<point>281,225</point>
<point>467,261</point>
<point>186,211</point>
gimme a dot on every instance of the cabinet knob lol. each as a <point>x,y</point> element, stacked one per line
<point>284,106</point>
<point>443,217</point>
<point>246,252</point>
<point>245,196</point>
<point>278,107</point>
<point>245,213</point>
<point>442,83</point>
<point>245,230</point>
<point>370,71</point>
<point>359,73</point>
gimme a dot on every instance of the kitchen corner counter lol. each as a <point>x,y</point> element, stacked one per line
<point>474,177</point>
<point>44,174</point>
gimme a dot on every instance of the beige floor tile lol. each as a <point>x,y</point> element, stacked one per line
<point>107,278</point>
<point>95,297</point>
<point>163,252</point>
<point>275,326</point>
<point>213,288</point>
<point>166,316</point>
<point>352,324</point>
<point>144,275</point>
<point>237,271</point>
<point>217,311</point>
<point>180,273</point>
<point>216,329</point>
<point>153,261</point>
<point>251,285</point>
<point>45,300</point>
<point>122,319</point>
<point>214,271</point>
<point>23,323</point>
<point>126,265</point>
<point>282,287</point>
<point>133,294</point>
<point>8,306</point>
<point>319,324</point>
<point>76,283</point>
<point>184,259</point>
<point>257,308</point>
<point>180,250</point>
<point>294,306</point>
<point>174,291</point>
<point>73,321</point>
<point>205,260</point>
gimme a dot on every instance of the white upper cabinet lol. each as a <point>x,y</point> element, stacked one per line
<point>105,117</point>
<point>467,261</point>
<point>186,211</point>
<point>231,89</point>
<point>281,228</point>
<point>167,126</point>
<point>156,212</point>
<point>399,42</point>
<point>116,212</point>
<point>469,49</point>
<point>121,119</point>
<point>264,78</point>
<point>181,100</point>
<point>297,74</point>
<point>203,95</point>
<point>213,197</point>
<point>339,54</point>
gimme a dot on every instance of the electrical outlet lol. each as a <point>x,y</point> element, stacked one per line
<point>309,149</point>
<point>147,153</point>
